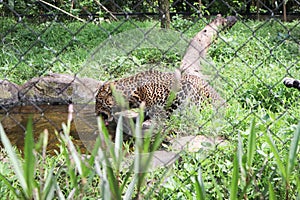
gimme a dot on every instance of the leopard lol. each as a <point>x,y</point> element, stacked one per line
<point>153,88</point>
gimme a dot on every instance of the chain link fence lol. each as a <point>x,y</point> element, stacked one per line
<point>59,52</point>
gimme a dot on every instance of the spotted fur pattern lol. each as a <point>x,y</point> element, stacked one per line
<point>153,88</point>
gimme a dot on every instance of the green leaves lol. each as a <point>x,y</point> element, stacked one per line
<point>29,158</point>
<point>285,168</point>
<point>111,161</point>
<point>17,166</point>
<point>275,152</point>
<point>199,185</point>
<point>251,147</point>
<point>293,152</point>
<point>25,169</point>
<point>235,177</point>
<point>272,195</point>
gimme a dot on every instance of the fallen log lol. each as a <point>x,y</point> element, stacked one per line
<point>198,47</point>
<point>197,51</point>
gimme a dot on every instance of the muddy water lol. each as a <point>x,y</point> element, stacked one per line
<point>50,117</point>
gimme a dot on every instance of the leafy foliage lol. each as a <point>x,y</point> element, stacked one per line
<point>86,8</point>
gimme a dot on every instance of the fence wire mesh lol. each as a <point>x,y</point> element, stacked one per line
<point>55,53</point>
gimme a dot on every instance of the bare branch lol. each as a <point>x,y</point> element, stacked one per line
<point>104,8</point>
<point>63,11</point>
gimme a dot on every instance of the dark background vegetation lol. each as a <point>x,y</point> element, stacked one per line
<point>86,8</point>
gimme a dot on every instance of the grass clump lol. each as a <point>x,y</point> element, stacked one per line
<point>31,50</point>
<point>105,172</point>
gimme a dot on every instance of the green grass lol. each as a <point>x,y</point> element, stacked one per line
<point>37,49</point>
<point>261,159</point>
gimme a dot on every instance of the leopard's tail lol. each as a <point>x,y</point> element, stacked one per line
<point>291,83</point>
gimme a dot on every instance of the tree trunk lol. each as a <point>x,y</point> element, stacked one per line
<point>248,6</point>
<point>164,13</point>
<point>284,11</point>
<point>198,47</point>
<point>73,4</point>
<point>200,8</point>
<point>257,9</point>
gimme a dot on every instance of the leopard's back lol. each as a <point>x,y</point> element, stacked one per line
<point>154,88</point>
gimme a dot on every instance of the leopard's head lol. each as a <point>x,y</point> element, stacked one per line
<point>105,102</point>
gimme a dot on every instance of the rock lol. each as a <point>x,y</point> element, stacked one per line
<point>58,89</point>
<point>8,93</point>
<point>129,115</point>
<point>54,88</point>
<point>84,90</point>
<point>196,143</point>
<point>163,159</point>
<point>159,159</point>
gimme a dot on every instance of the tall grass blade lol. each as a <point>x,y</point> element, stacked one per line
<point>298,187</point>
<point>113,184</point>
<point>108,172</point>
<point>130,189</point>
<point>147,139</point>
<point>240,157</point>
<point>251,144</point>
<point>138,154</point>
<point>272,195</point>
<point>159,138</point>
<point>171,98</point>
<point>104,186</point>
<point>70,168</point>
<point>293,151</point>
<point>9,185</point>
<point>105,135</point>
<point>29,158</point>
<point>50,186</point>
<point>216,187</point>
<point>199,185</point>
<point>15,162</point>
<point>95,151</point>
<point>126,178</point>
<point>71,195</point>
<point>276,155</point>
<point>119,142</point>
<point>76,158</point>
<point>235,177</point>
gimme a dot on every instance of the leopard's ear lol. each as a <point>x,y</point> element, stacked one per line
<point>106,88</point>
